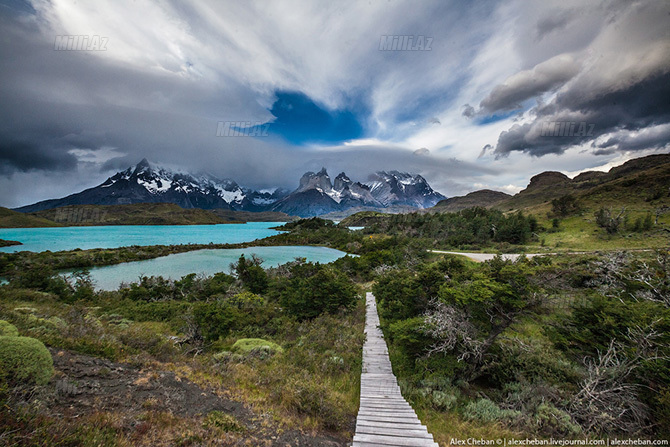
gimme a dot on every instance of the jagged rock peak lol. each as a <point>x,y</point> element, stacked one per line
<point>143,164</point>
<point>341,181</point>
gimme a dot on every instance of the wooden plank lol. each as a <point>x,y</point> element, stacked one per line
<point>395,440</point>
<point>417,432</point>
<point>388,414</point>
<point>404,420</point>
<point>399,425</point>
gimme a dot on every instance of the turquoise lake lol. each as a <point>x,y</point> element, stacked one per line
<point>69,238</point>
<point>205,262</point>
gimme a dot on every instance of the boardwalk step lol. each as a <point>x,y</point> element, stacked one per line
<point>398,441</point>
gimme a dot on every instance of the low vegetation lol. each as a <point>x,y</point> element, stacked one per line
<point>560,347</point>
<point>267,338</point>
<point>24,360</point>
<point>132,214</point>
<point>563,346</point>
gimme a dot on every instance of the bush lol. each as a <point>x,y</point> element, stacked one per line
<point>314,289</point>
<point>400,296</point>
<point>555,422</point>
<point>148,337</point>
<point>485,410</point>
<point>564,206</point>
<point>606,219</point>
<point>308,395</point>
<point>251,274</point>
<point>214,320</point>
<point>224,422</point>
<point>250,345</point>
<point>8,329</point>
<point>25,360</point>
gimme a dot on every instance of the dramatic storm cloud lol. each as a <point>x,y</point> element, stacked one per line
<point>485,104</point>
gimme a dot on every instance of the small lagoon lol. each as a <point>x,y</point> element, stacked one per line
<point>206,262</point>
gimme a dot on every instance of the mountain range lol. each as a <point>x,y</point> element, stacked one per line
<point>315,195</point>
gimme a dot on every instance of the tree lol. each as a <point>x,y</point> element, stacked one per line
<point>469,316</point>
<point>565,205</point>
<point>314,289</point>
<point>251,274</point>
<point>607,220</point>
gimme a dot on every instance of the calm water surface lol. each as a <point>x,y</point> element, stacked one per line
<point>69,238</point>
<point>206,262</point>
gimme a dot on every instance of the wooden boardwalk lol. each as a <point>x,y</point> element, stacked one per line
<point>384,417</point>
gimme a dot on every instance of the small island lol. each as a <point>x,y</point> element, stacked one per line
<point>4,243</point>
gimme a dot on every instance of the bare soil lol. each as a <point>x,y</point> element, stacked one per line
<point>86,385</point>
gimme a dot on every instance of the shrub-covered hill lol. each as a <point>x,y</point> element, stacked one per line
<point>639,183</point>
<point>14,219</point>
<point>133,214</point>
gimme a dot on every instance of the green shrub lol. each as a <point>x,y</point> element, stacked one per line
<point>249,345</point>
<point>314,289</point>
<point>214,320</point>
<point>225,357</point>
<point>565,205</point>
<point>224,422</point>
<point>485,410</point>
<point>251,274</point>
<point>552,421</point>
<point>8,329</point>
<point>400,296</point>
<point>245,300</point>
<point>606,219</point>
<point>443,401</point>
<point>308,394</point>
<point>25,360</point>
<point>148,337</point>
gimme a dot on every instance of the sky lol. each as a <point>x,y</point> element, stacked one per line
<point>476,101</point>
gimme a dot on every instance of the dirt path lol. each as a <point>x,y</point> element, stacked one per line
<point>481,257</point>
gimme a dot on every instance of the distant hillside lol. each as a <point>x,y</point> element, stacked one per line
<point>14,219</point>
<point>483,198</point>
<point>341,215</point>
<point>641,186</point>
<point>135,214</point>
<point>635,183</point>
<point>251,216</point>
<point>363,218</point>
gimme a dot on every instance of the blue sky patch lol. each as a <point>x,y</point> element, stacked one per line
<point>488,119</point>
<point>300,120</point>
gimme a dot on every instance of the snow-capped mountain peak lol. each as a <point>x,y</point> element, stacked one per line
<point>151,183</point>
<point>396,187</point>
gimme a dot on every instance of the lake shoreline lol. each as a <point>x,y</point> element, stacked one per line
<point>81,259</point>
<point>207,262</point>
